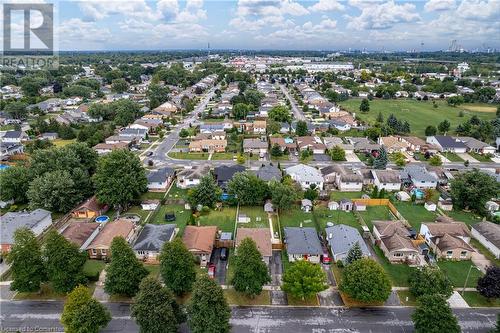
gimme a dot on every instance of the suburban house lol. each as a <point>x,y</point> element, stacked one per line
<point>148,244</point>
<point>37,221</point>
<point>89,209</point>
<point>190,177</point>
<point>99,247</point>
<point>159,180</point>
<point>224,173</point>
<point>343,179</point>
<point>390,180</point>
<point>255,146</point>
<point>81,233</point>
<point>49,136</point>
<point>284,143</point>
<point>105,148</point>
<point>419,177</point>
<point>200,242</point>
<point>268,173</point>
<point>448,240</point>
<point>9,149</point>
<point>313,143</point>
<point>363,145</point>
<point>341,238</point>
<point>261,237</point>
<point>476,146</point>
<point>332,141</point>
<point>306,176</point>
<point>14,137</point>
<point>208,145</point>
<point>394,239</point>
<point>166,109</point>
<point>488,234</point>
<point>259,127</point>
<point>133,132</point>
<point>393,144</point>
<point>303,244</point>
<point>447,144</point>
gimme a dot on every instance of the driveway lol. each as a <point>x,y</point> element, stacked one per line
<point>467,157</point>
<point>480,261</point>
<point>329,275</point>
<point>351,157</point>
<point>220,267</point>
<point>276,268</point>
<point>330,298</point>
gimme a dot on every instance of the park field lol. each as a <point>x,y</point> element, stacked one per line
<point>419,114</point>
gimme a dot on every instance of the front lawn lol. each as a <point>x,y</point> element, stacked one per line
<point>224,219</point>
<point>223,156</point>
<point>93,267</point>
<point>457,272</point>
<point>235,298</point>
<point>188,156</point>
<point>258,218</point>
<point>480,157</point>
<point>415,214</point>
<point>475,299</point>
<point>403,295</point>
<point>154,270</point>
<point>452,157</point>
<point>398,273</point>
<point>181,215</point>
<point>311,301</point>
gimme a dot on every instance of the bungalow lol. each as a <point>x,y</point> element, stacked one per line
<point>191,176</point>
<point>332,141</point>
<point>284,144</point>
<point>105,148</point>
<point>447,144</point>
<point>208,145</point>
<point>259,127</point>
<point>268,173</point>
<point>394,239</point>
<point>159,180</point>
<point>389,180</point>
<point>37,221</point>
<point>200,242</point>
<point>419,177</point>
<point>363,145</point>
<point>306,176</point>
<point>488,234</point>
<point>341,238</point>
<point>303,244</point>
<point>343,179</point>
<point>211,127</point>
<point>14,137</point>
<point>261,237</point>
<point>166,109</point>
<point>476,146</point>
<point>314,144</point>
<point>393,143</point>
<point>224,173</point>
<point>448,240</point>
<point>151,238</point>
<point>81,233</point>
<point>89,209</point>
<point>99,247</point>
<point>149,125</point>
<point>133,132</point>
<point>255,146</point>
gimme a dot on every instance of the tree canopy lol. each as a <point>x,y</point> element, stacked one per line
<point>280,113</point>
<point>248,189</point>
<point>355,253</point>
<point>380,162</point>
<point>282,195</point>
<point>366,281</point>
<point>433,315</point>
<point>177,267</point>
<point>472,189</point>
<point>489,284</point>
<point>304,279</point>
<point>206,193</point>
<point>429,281</point>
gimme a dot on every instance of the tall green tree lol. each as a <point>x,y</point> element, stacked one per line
<point>355,253</point>
<point>119,86</point>
<point>14,182</point>
<point>304,279</point>
<point>301,128</point>
<point>472,189</point>
<point>206,193</point>
<point>125,272</point>
<point>280,113</point>
<point>119,178</point>
<point>157,95</point>
<point>64,262</point>
<point>366,281</point>
<point>208,311</point>
<point>248,189</point>
<point>16,110</point>
<point>337,154</point>
<point>177,267</point>
<point>83,314</point>
<point>430,130</point>
<point>489,284</point>
<point>429,281</point>
<point>27,266</point>
<point>155,309</point>
<point>444,126</point>
<point>282,195</point>
<point>250,272</point>
<point>364,106</point>
<point>380,162</point>
<point>433,315</point>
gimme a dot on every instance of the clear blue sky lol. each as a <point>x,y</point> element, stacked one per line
<point>277,24</point>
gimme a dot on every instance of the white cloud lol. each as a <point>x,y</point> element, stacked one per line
<point>438,5</point>
<point>376,15</point>
<point>95,10</point>
<point>327,6</point>
<point>78,34</point>
<point>479,9</point>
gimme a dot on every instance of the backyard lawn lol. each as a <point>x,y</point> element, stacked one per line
<point>137,210</point>
<point>457,272</point>
<point>224,219</point>
<point>415,214</point>
<point>258,218</point>
<point>177,193</point>
<point>62,143</point>
<point>337,195</point>
<point>181,214</point>
<point>418,113</point>
<point>462,216</point>
<point>153,195</point>
<point>295,216</point>
<point>376,213</point>
<point>323,216</point>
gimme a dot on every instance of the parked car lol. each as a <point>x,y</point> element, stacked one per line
<point>325,259</point>
<point>149,153</point>
<point>211,271</point>
<point>223,254</point>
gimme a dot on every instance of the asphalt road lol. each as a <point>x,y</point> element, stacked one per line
<point>298,114</point>
<point>40,316</point>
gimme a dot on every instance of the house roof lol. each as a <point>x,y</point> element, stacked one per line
<point>226,172</point>
<point>341,238</point>
<point>346,175</point>
<point>269,172</point>
<point>12,221</point>
<point>199,239</point>
<point>254,144</point>
<point>306,202</point>
<point>111,230</point>
<point>439,229</point>
<point>153,236</point>
<point>449,142</point>
<point>91,204</point>
<point>473,143</point>
<point>13,134</point>
<point>261,236</point>
<point>393,142</point>
<point>79,232</point>
<point>449,242</point>
<point>387,176</point>
<point>302,241</point>
<point>490,231</point>
<point>195,172</point>
<point>305,173</point>
<point>418,173</point>
<point>388,228</point>
<point>160,175</point>
<point>397,242</point>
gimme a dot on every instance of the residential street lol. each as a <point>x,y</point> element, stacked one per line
<point>298,114</point>
<point>31,316</point>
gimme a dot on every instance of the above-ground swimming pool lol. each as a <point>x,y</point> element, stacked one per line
<point>419,194</point>
<point>102,219</point>
<point>4,166</point>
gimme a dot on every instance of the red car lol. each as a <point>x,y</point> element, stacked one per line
<point>325,259</point>
<point>211,271</point>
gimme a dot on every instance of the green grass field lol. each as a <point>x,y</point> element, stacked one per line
<point>475,299</point>
<point>457,272</point>
<point>294,216</point>
<point>466,217</point>
<point>224,219</point>
<point>258,218</point>
<point>376,213</point>
<point>188,156</point>
<point>337,195</point>
<point>323,216</point>
<point>398,273</point>
<point>415,214</point>
<point>181,214</point>
<point>419,114</point>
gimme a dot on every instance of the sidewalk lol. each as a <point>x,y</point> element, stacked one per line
<point>99,293</point>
